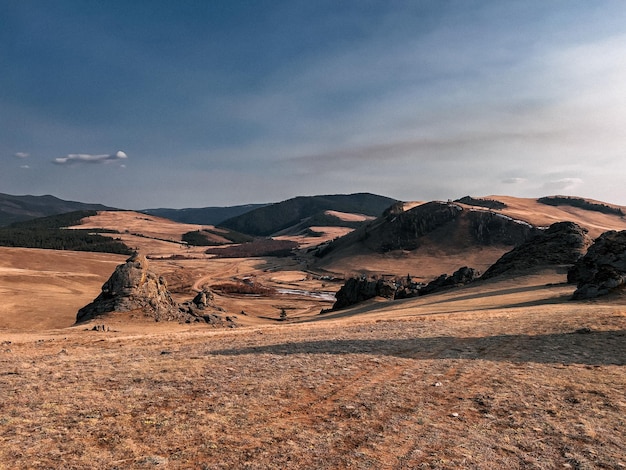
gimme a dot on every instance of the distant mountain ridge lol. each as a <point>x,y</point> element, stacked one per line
<point>22,208</point>
<point>202,215</point>
<point>274,218</point>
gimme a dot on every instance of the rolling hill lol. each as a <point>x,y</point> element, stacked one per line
<point>21,208</point>
<point>202,215</point>
<point>436,237</point>
<point>298,213</point>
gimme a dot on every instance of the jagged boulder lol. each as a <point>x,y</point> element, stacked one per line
<point>603,269</point>
<point>133,286</point>
<point>460,277</point>
<point>357,290</point>
<point>563,243</point>
<point>203,299</point>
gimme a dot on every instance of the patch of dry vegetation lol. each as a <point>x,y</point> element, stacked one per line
<point>257,248</point>
<point>403,385</point>
<point>242,288</point>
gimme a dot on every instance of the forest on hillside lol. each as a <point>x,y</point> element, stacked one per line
<point>51,233</point>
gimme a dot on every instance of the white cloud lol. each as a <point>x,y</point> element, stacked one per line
<point>73,158</point>
<point>514,180</point>
<point>25,167</point>
<point>563,183</point>
<point>22,155</point>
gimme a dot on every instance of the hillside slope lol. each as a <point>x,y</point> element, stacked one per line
<point>428,239</point>
<point>277,217</point>
<point>20,208</point>
<point>202,215</point>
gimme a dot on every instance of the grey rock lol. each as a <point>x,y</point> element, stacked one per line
<point>563,243</point>
<point>357,290</point>
<point>132,286</point>
<point>460,277</point>
<point>603,269</point>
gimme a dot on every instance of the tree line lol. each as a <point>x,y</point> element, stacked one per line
<point>50,233</point>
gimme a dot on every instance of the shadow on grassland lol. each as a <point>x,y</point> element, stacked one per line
<point>581,347</point>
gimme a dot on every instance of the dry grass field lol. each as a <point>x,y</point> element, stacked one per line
<point>506,374</point>
<point>43,289</point>
<point>500,375</point>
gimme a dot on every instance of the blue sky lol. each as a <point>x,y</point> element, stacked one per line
<point>143,104</point>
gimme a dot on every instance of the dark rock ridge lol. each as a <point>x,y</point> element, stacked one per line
<point>134,287</point>
<point>563,243</point>
<point>357,290</point>
<point>459,278</point>
<point>603,269</point>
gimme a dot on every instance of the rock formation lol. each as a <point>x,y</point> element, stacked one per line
<point>357,290</point>
<point>460,277</point>
<point>132,286</point>
<point>603,269</point>
<point>563,243</point>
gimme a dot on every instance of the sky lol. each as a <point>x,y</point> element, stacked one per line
<point>195,103</point>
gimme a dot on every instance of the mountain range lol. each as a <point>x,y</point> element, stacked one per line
<point>296,214</point>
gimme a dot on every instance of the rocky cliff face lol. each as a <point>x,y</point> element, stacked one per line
<point>563,243</point>
<point>603,269</point>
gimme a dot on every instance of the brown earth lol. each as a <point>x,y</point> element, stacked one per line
<point>43,289</point>
<point>498,375</point>
<point>507,373</point>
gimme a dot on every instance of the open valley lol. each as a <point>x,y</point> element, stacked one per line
<point>502,373</point>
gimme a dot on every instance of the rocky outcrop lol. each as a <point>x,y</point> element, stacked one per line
<point>459,278</point>
<point>357,290</point>
<point>563,243</point>
<point>478,202</point>
<point>603,269</point>
<point>134,287</point>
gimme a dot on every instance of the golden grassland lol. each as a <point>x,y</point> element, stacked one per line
<point>503,375</point>
<point>507,373</point>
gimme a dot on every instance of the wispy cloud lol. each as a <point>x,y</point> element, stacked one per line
<point>75,158</point>
<point>514,180</point>
<point>22,155</point>
<point>563,183</point>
